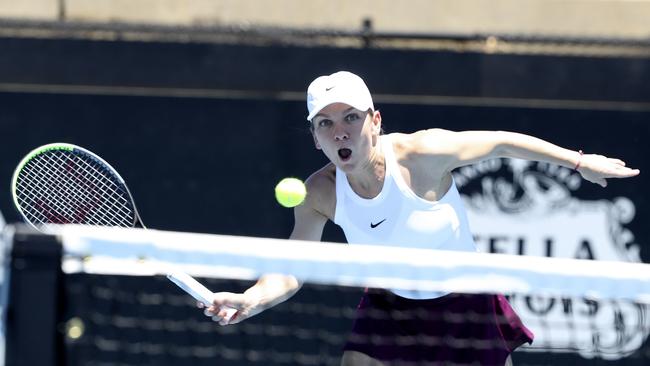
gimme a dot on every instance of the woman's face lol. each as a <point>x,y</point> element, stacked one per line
<point>346,135</point>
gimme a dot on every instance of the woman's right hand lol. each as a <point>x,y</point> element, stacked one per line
<point>270,290</point>
<point>231,308</point>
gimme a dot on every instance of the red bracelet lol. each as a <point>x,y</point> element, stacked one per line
<point>579,160</point>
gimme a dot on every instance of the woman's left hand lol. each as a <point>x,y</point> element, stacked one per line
<point>597,168</point>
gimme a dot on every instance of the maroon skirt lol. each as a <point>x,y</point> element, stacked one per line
<point>456,329</point>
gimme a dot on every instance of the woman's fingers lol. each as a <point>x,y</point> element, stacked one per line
<point>617,161</point>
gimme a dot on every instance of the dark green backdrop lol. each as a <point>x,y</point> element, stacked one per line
<point>202,132</point>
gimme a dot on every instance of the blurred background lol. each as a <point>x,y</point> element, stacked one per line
<point>199,104</point>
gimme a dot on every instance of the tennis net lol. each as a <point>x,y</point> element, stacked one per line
<point>117,308</point>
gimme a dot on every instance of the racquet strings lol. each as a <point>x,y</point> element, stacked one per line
<point>61,187</point>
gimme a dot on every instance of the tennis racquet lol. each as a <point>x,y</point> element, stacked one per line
<point>66,184</point>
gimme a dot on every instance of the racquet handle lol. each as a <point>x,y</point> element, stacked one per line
<point>197,290</point>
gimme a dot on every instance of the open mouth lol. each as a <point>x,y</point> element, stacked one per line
<point>344,154</point>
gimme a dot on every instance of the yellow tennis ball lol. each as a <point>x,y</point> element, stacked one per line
<point>290,192</point>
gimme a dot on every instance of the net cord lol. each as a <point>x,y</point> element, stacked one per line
<point>140,252</point>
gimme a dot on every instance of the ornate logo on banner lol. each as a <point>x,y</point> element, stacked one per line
<point>527,208</point>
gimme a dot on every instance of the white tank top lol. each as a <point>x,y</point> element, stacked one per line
<point>398,217</point>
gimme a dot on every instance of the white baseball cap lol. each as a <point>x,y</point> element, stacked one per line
<point>339,87</point>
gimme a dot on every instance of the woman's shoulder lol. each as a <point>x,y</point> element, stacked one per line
<point>321,189</point>
<point>425,149</point>
<point>416,139</point>
<point>417,143</point>
<point>323,176</point>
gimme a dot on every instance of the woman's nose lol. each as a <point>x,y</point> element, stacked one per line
<point>340,134</point>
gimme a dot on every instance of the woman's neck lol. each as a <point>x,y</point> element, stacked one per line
<point>368,180</point>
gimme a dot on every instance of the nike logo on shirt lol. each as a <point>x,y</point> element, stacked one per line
<point>372,226</point>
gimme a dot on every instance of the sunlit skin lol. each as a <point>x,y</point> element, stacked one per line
<point>349,138</point>
<point>339,126</point>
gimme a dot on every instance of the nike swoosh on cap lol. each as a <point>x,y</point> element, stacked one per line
<point>372,226</point>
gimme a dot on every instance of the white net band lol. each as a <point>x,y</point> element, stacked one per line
<point>134,251</point>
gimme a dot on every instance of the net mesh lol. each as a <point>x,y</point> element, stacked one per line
<point>146,320</point>
<point>63,186</point>
<point>130,314</point>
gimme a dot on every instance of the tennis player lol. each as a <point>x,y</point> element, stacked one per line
<point>397,189</point>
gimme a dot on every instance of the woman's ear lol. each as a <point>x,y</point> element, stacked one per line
<point>376,122</point>
<point>376,127</point>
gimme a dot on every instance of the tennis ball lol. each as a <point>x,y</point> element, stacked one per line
<point>290,192</point>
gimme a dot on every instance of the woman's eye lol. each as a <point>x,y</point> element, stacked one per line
<point>324,123</point>
<point>351,117</point>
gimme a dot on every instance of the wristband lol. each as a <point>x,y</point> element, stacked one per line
<point>579,160</point>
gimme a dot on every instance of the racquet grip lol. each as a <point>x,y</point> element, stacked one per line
<point>201,293</point>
